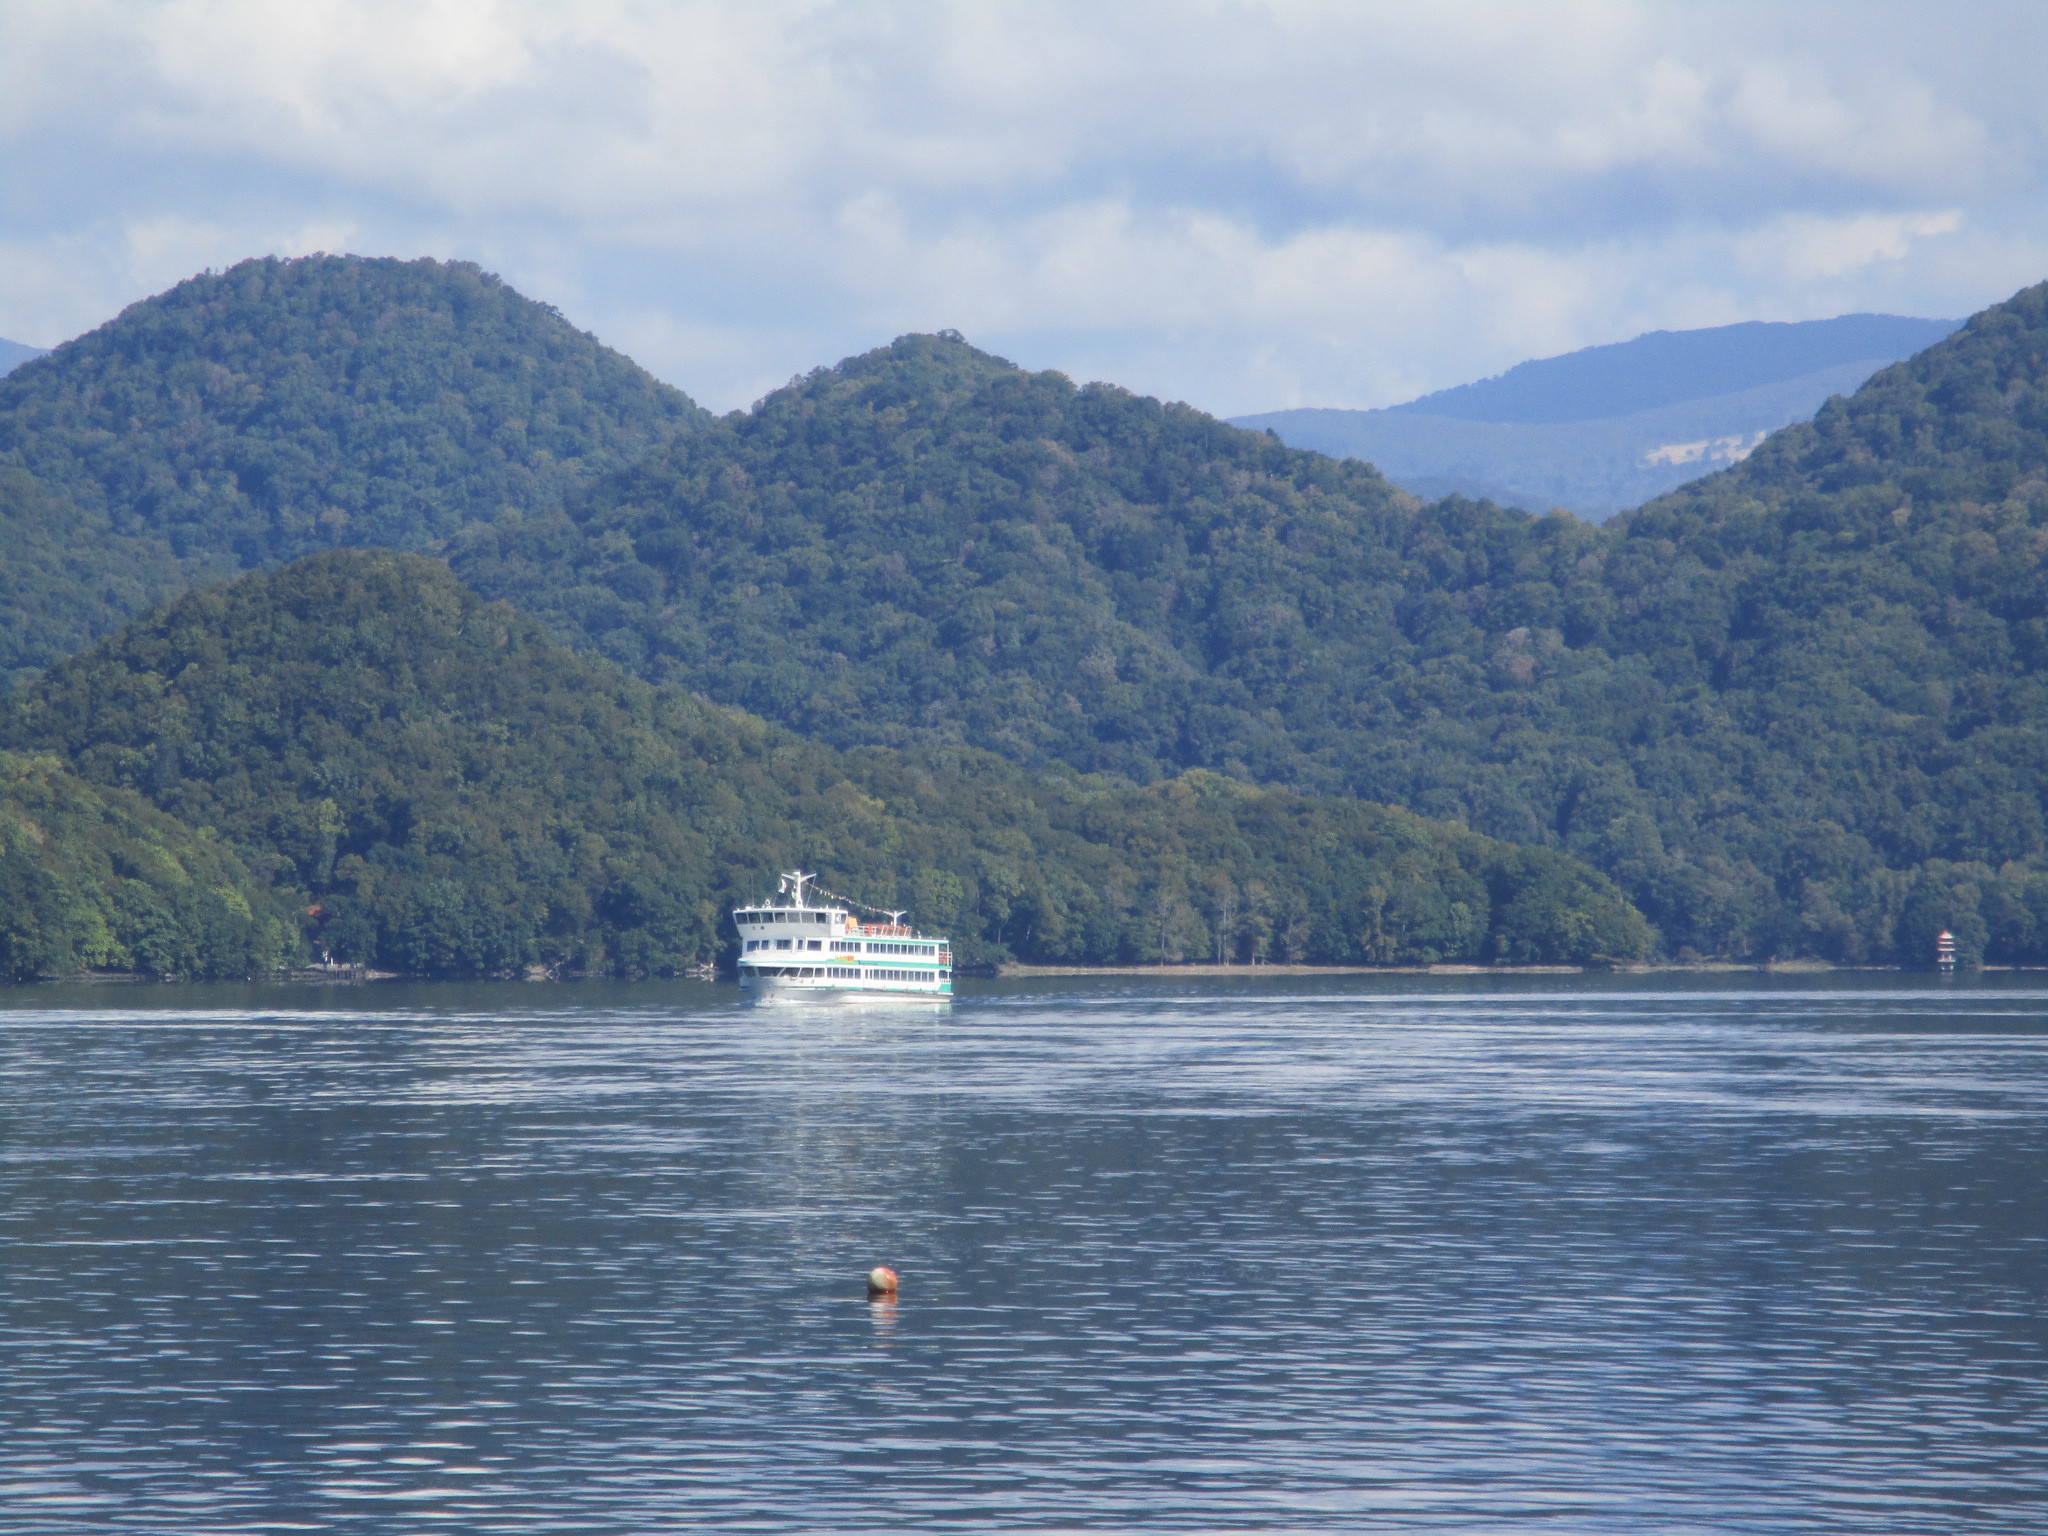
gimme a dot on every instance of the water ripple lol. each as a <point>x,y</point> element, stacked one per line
<point>1289,1256</point>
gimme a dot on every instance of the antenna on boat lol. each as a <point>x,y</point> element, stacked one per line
<point>896,917</point>
<point>794,883</point>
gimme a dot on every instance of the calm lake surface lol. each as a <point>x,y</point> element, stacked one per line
<point>1348,1255</point>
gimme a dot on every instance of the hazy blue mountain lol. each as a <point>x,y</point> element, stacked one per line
<point>1610,427</point>
<point>1670,367</point>
<point>14,353</point>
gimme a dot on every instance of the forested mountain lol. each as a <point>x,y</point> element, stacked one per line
<point>96,878</point>
<point>449,790</point>
<point>1794,709</point>
<point>250,416</point>
<point>928,542</point>
<point>1728,701</point>
<point>1854,625</point>
<point>1608,427</point>
<point>64,576</point>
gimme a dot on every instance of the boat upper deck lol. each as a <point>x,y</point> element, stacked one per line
<point>813,922</point>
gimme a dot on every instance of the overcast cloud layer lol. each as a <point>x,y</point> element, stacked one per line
<point>1244,205</point>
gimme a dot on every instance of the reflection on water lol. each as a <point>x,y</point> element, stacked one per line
<point>1281,1257</point>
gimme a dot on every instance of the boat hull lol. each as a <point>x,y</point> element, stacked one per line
<point>822,994</point>
<point>767,991</point>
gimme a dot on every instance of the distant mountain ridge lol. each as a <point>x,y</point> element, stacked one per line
<point>1609,427</point>
<point>1661,368</point>
<point>14,353</point>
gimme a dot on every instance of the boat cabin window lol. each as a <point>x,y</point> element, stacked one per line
<point>782,943</point>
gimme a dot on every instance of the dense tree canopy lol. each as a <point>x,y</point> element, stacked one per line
<point>1796,708</point>
<point>63,578</point>
<point>96,878</point>
<point>454,791</point>
<point>250,416</point>
<point>1774,706</point>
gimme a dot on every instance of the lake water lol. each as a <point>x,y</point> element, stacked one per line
<point>1564,1256</point>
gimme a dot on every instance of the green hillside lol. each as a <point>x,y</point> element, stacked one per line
<point>457,792</point>
<point>64,577</point>
<point>1726,700</point>
<point>247,417</point>
<point>97,879</point>
<point>1793,709</point>
<point>928,542</point>
<point>1852,626</point>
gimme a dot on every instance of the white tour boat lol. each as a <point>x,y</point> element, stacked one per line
<point>802,950</point>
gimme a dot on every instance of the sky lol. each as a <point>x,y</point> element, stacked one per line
<point>1247,206</point>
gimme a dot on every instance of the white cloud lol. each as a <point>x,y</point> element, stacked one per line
<point>1244,204</point>
<point>1803,247</point>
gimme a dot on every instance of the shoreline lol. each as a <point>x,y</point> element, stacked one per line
<point>1633,968</point>
<point>346,976</point>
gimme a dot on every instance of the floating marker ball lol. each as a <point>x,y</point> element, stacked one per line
<point>881,1281</point>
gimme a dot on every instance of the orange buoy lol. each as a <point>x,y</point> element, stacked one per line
<point>881,1281</point>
